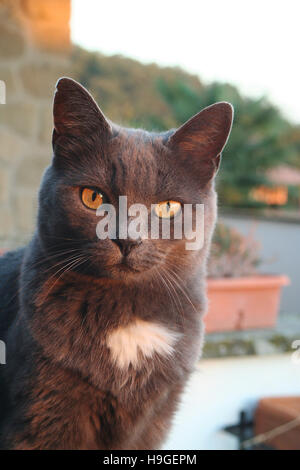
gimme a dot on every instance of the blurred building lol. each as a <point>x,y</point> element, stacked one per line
<point>34,53</point>
<point>285,182</point>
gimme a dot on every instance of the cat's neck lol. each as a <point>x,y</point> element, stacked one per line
<point>74,318</point>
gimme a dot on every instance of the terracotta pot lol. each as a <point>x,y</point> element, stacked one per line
<point>274,412</point>
<point>243,303</point>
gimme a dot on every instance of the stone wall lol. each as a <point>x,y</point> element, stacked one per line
<point>34,53</point>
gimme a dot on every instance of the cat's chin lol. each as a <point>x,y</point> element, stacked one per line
<point>126,272</point>
<point>122,270</point>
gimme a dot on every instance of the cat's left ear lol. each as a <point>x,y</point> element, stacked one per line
<point>75,112</point>
<point>197,144</point>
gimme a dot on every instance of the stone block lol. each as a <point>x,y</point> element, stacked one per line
<point>46,125</point>
<point>22,117</point>
<point>39,79</point>
<point>7,226</point>
<point>5,185</point>
<point>30,170</point>
<point>8,78</point>
<point>12,146</point>
<point>12,43</point>
<point>25,209</point>
<point>53,11</point>
<point>49,22</point>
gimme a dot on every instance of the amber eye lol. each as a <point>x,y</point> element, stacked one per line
<point>91,198</point>
<point>167,209</point>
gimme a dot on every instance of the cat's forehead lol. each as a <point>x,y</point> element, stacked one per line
<point>135,159</point>
<point>135,146</point>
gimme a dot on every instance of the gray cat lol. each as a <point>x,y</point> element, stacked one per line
<point>102,335</point>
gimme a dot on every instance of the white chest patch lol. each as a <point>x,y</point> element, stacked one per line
<point>140,339</point>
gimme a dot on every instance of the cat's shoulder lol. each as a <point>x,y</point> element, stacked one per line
<point>10,265</point>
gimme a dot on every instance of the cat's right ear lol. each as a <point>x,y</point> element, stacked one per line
<point>197,144</point>
<point>75,112</point>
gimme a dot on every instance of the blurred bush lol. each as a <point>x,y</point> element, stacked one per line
<point>129,92</point>
<point>159,98</point>
<point>233,254</point>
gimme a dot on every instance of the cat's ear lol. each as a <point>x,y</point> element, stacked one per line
<point>198,143</point>
<point>75,112</point>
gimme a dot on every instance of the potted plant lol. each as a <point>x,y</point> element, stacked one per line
<point>239,298</point>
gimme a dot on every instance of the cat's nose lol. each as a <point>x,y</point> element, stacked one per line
<point>126,245</point>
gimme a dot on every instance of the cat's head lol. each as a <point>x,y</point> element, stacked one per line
<point>95,162</point>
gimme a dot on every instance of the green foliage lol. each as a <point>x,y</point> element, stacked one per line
<point>158,98</point>
<point>128,91</point>
<point>259,139</point>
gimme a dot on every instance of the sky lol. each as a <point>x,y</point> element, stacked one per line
<point>254,45</point>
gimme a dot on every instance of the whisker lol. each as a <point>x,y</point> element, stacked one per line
<point>66,268</point>
<point>175,298</point>
<point>175,291</point>
<point>181,287</point>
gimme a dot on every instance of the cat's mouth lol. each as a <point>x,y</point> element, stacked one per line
<point>126,266</point>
